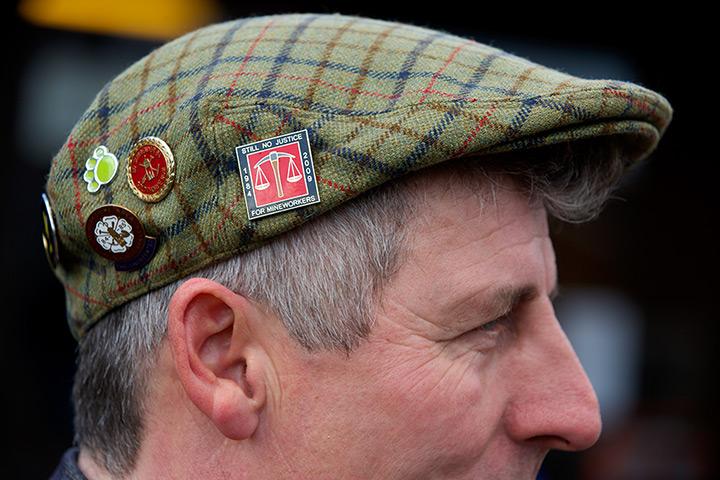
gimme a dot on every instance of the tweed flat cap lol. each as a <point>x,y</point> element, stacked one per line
<point>220,140</point>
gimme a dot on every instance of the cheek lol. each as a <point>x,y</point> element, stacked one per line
<point>441,409</point>
<point>394,412</point>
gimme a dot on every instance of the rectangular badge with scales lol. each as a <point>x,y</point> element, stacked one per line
<point>277,174</point>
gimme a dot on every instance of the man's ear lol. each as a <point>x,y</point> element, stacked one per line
<point>217,355</point>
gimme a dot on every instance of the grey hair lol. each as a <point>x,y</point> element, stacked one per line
<point>326,296</point>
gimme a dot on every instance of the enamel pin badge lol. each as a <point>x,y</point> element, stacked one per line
<point>277,174</point>
<point>151,169</point>
<point>100,168</point>
<point>115,233</point>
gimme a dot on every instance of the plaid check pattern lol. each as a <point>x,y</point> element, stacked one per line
<point>378,100</point>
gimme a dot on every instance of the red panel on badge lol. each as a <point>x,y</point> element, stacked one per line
<point>151,169</point>
<point>277,174</point>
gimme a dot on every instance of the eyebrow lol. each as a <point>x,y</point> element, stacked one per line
<point>492,303</point>
<point>507,299</point>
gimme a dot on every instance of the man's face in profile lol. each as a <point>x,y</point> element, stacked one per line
<point>466,373</point>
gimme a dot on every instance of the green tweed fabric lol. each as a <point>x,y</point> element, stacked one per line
<point>378,100</point>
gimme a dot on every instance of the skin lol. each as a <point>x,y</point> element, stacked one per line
<point>466,374</point>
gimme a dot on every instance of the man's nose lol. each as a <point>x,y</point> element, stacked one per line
<point>553,403</point>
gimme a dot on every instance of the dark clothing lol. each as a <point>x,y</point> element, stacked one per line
<point>68,468</point>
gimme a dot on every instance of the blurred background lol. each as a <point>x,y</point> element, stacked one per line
<point>639,285</point>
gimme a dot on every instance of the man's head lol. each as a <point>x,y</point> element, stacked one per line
<point>383,312</point>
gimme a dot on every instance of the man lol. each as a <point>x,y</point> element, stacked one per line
<point>316,246</point>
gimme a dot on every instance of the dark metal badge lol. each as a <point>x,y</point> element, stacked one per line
<point>49,234</point>
<point>115,233</point>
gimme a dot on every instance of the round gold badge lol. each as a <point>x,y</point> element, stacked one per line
<point>151,169</point>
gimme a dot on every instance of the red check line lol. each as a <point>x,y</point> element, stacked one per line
<point>444,94</point>
<point>331,85</point>
<point>120,289</point>
<point>242,129</point>
<point>337,187</point>
<point>447,62</point>
<point>85,298</point>
<point>427,91</point>
<point>477,128</point>
<point>284,121</point>
<point>641,104</point>
<point>306,79</point>
<point>124,122</point>
<point>247,58</point>
<point>75,171</point>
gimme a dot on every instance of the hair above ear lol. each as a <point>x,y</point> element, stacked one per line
<point>217,355</point>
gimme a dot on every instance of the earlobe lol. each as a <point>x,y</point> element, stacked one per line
<point>218,358</point>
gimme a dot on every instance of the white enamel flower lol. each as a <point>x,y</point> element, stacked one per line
<point>114,234</point>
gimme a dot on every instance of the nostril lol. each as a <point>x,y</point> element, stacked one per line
<point>552,442</point>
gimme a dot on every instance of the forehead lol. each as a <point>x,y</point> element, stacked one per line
<point>472,206</point>
<point>470,240</point>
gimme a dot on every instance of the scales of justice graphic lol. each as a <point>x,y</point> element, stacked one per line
<point>277,174</point>
<point>294,174</point>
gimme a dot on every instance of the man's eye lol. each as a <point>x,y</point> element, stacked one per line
<point>490,326</point>
<point>496,324</point>
<point>491,334</point>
